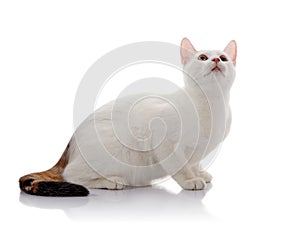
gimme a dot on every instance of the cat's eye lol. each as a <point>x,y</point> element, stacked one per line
<point>223,58</point>
<point>202,57</point>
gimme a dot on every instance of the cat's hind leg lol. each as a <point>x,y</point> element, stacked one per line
<point>79,172</point>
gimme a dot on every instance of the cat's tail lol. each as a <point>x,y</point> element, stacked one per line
<point>51,182</point>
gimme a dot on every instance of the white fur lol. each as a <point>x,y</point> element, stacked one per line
<point>190,175</point>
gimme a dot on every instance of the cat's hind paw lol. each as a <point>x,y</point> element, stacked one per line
<point>114,183</point>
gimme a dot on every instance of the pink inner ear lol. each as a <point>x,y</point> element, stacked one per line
<point>186,51</point>
<point>231,50</point>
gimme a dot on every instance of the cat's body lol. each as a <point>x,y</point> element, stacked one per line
<point>84,162</point>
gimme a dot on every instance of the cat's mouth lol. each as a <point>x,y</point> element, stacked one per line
<point>216,69</point>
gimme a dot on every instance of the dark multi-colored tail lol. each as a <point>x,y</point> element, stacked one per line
<point>52,188</point>
<point>50,182</point>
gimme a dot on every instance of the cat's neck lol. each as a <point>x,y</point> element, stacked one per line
<point>202,99</point>
<point>200,95</point>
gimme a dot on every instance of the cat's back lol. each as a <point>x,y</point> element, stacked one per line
<point>138,122</point>
<point>136,109</point>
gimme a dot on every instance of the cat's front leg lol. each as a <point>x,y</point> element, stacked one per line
<point>188,180</point>
<point>201,173</point>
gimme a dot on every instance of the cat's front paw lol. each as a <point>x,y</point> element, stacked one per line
<point>205,176</point>
<point>193,184</point>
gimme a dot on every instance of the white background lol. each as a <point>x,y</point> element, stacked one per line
<point>45,49</point>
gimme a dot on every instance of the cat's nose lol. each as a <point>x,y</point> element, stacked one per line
<point>216,60</point>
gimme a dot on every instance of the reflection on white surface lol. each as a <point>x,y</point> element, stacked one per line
<point>151,203</point>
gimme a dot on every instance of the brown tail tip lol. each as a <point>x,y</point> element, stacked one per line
<point>52,188</point>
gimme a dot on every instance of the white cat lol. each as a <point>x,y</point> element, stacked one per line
<point>121,145</point>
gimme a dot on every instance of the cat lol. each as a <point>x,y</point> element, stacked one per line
<point>73,174</point>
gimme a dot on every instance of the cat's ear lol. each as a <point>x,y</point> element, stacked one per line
<point>187,50</point>
<point>231,50</point>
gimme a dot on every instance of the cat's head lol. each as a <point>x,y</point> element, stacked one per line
<point>207,65</point>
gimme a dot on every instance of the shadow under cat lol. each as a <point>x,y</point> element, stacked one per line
<point>150,203</point>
